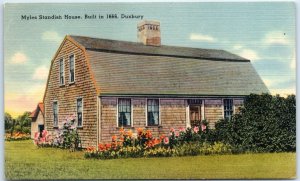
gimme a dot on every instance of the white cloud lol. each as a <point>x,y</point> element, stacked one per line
<point>293,62</point>
<point>51,36</point>
<point>249,54</point>
<point>276,37</point>
<point>201,37</point>
<point>237,47</point>
<point>41,73</point>
<point>19,58</point>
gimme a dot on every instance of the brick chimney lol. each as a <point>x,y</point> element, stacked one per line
<point>149,32</point>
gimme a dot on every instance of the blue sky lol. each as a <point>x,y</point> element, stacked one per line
<point>261,32</point>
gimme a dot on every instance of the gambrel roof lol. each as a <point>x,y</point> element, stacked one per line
<point>128,68</point>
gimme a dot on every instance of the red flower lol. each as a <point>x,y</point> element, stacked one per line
<point>203,127</point>
<point>129,133</point>
<point>108,146</point>
<point>148,134</point>
<point>44,133</point>
<point>90,148</point>
<point>36,135</point>
<point>121,130</point>
<point>140,131</point>
<point>101,147</point>
<point>196,129</point>
<point>166,140</point>
<point>161,137</point>
<point>114,138</point>
<point>172,130</point>
<point>156,141</point>
<point>181,129</point>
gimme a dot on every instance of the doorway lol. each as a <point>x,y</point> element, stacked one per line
<point>41,129</point>
<point>195,115</point>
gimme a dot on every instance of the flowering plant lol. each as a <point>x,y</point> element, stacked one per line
<point>67,136</point>
<point>43,140</point>
<point>177,143</point>
<point>17,136</point>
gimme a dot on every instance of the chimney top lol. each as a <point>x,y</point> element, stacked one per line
<point>149,32</point>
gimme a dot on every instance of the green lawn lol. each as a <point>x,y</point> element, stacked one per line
<point>24,161</point>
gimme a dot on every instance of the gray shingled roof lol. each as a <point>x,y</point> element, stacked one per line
<point>143,70</point>
<point>139,48</point>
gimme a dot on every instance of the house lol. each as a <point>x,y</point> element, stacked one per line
<point>37,119</point>
<point>110,84</point>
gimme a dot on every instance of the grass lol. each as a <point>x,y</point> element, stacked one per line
<point>25,161</point>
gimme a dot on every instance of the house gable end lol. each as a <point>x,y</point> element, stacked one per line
<point>66,94</point>
<point>68,38</point>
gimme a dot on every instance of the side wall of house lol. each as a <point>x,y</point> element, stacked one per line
<point>173,114</point>
<point>66,95</point>
<point>34,124</point>
<point>213,111</point>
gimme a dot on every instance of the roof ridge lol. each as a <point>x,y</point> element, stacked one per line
<point>94,43</point>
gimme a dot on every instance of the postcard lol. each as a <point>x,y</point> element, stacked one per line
<point>169,90</point>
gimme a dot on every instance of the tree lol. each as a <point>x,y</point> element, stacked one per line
<point>8,121</point>
<point>24,120</point>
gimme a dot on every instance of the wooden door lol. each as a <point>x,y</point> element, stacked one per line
<point>195,115</point>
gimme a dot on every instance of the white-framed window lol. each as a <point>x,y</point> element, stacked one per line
<point>61,72</point>
<point>152,112</point>
<point>79,105</point>
<point>124,112</point>
<point>55,113</point>
<point>72,68</point>
<point>228,108</point>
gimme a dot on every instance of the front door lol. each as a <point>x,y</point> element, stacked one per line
<point>195,115</point>
<point>41,129</point>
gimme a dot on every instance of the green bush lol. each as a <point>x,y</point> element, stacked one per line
<point>266,123</point>
<point>18,128</point>
<point>188,149</point>
<point>160,152</point>
<point>130,151</point>
<point>67,137</point>
<point>26,130</point>
<point>215,148</point>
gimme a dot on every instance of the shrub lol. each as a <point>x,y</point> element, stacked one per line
<point>130,151</point>
<point>16,136</point>
<point>26,130</point>
<point>266,123</point>
<point>18,128</point>
<point>215,148</point>
<point>179,143</point>
<point>67,137</point>
<point>160,152</point>
<point>43,140</point>
<point>188,149</point>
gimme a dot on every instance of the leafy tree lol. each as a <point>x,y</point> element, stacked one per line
<point>8,121</point>
<point>266,123</point>
<point>24,120</point>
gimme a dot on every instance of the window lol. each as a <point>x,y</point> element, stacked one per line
<point>79,112</point>
<point>55,114</point>
<point>72,69</point>
<point>61,72</point>
<point>228,108</point>
<point>124,112</point>
<point>152,112</point>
